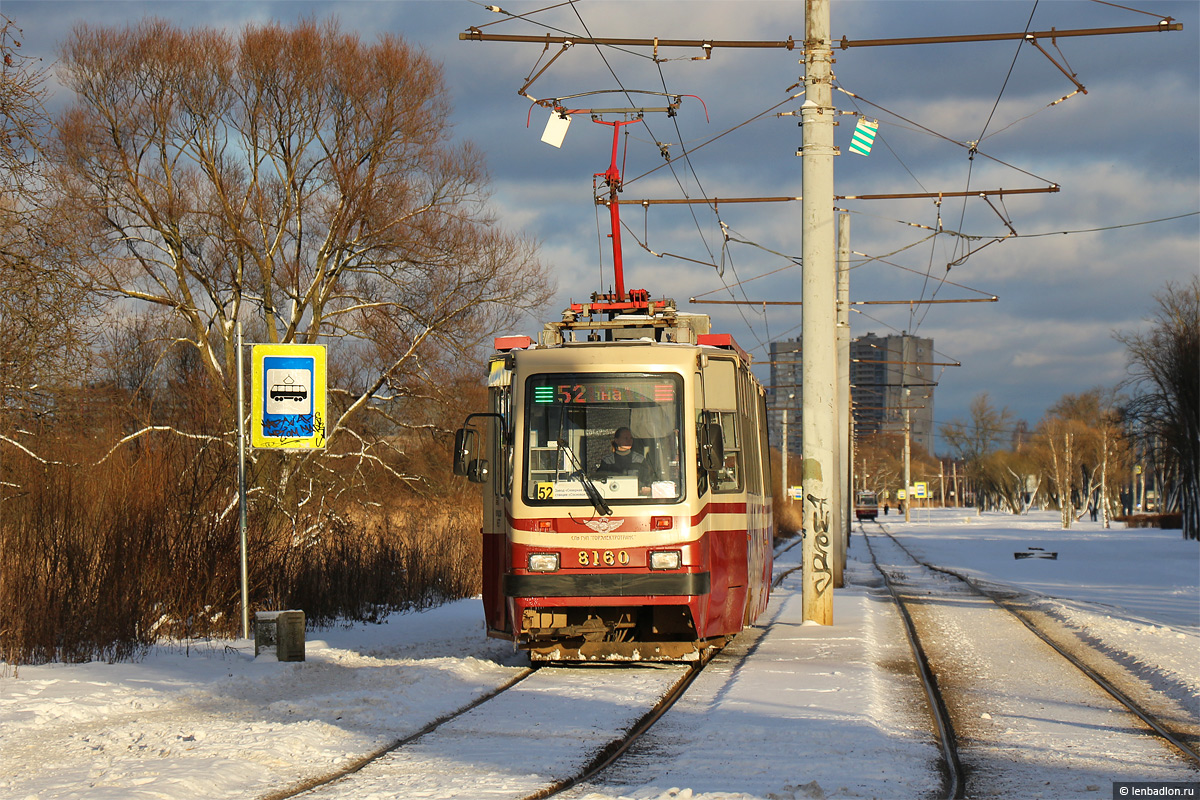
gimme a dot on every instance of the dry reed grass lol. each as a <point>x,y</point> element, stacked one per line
<point>102,563</point>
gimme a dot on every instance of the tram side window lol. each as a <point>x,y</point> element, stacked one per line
<point>500,438</point>
<point>750,466</point>
<point>729,477</point>
<point>764,448</point>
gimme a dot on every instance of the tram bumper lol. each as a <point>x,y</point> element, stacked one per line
<point>610,616</point>
<point>596,585</point>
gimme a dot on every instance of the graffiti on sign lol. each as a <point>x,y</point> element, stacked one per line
<point>287,426</point>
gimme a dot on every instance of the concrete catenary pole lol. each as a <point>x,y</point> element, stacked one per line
<point>942,480</point>
<point>954,482</point>
<point>907,458</point>
<point>818,317</point>
<point>845,453</point>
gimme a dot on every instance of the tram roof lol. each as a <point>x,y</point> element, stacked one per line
<point>605,351</point>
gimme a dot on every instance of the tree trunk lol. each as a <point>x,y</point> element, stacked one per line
<point>1104,477</point>
<point>1190,505</point>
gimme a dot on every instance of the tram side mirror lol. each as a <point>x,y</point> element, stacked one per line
<point>464,448</point>
<point>478,470</point>
<point>712,446</point>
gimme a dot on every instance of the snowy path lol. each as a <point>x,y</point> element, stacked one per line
<point>217,723</point>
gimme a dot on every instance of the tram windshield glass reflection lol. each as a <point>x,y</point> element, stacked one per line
<point>573,420</point>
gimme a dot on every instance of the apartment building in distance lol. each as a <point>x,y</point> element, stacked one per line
<point>784,395</point>
<point>887,375</point>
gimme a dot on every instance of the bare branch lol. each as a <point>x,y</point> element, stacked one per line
<point>158,429</point>
<point>29,452</point>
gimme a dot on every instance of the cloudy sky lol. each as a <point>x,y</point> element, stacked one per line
<point>1084,262</point>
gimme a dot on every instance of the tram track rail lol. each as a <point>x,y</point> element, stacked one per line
<point>956,784</point>
<point>780,549</point>
<point>618,748</point>
<point>378,753</point>
<point>953,775</point>
<point>602,757</point>
<point>615,749</point>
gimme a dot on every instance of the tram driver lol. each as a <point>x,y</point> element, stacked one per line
<point>623,461</point>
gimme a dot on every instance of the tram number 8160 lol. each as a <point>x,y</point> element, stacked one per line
<point>603,558</point>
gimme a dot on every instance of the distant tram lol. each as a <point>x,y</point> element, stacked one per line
<point>866,505</point>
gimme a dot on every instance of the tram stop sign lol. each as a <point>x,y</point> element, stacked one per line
<point>287,396</point>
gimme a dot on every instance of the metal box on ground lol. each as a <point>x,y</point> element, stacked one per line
<point>282,631</point>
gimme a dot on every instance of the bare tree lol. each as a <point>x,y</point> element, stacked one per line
<point>982,433</point>
<point>974,439</point>
<point>1060,439</point>
<point>1164,366</point>
<point>23,117</point>
<point>879,463</point>
<point>296,179</point>
<point>1080,439</point>
<point>1006,473</point>
<point>43,342</point>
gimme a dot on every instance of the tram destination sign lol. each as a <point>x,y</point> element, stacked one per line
<point>636,390</point>
<point>287,396</point>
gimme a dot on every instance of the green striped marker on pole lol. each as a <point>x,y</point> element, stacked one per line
<point>864,137</point>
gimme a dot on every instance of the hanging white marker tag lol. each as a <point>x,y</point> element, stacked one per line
<point>556,129</point>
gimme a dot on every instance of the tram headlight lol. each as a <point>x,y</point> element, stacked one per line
<point>665,559</point>
<point>543,562</point>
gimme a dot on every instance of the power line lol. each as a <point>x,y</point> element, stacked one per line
<point>931,132</point>
<point>1109,227</point>
<point>705,46</point>
<point>918,302</point>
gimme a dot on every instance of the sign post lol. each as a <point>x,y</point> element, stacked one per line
<point>241,437</point>
<point>287,412</point>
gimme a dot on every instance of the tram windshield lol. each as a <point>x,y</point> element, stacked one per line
<point>615,434</point>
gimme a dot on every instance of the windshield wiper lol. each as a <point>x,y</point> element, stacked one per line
<point>589,488</point>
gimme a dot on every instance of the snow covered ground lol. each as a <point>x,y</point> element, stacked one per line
<point>810,712</point>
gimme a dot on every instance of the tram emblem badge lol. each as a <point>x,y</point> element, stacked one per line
<point>604,524</point>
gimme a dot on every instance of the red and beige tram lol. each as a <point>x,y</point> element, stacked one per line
<point>626,482</point>
<point>866,504</point>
